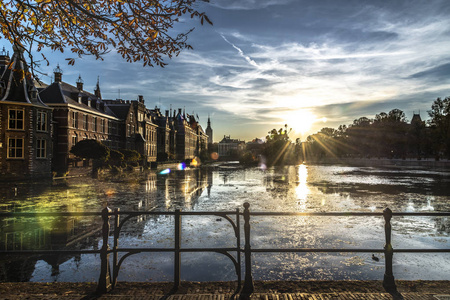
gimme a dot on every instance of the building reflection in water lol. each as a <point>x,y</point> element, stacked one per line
<point>179,189</point>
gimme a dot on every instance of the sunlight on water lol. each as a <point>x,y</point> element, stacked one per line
<point>302,190</point>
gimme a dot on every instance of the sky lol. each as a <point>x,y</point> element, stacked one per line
<point>307,64</point>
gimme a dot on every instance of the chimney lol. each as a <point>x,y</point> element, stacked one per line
<point>80,83</point>
<point>141,99</point>
<point>179,111</point>
<point>58,74</point>
<point>167,112</point>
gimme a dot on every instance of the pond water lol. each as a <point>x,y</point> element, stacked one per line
<point>304,188</point>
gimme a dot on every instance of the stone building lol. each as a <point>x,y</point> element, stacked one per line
<point>186,137</point>
<point>137,129</point>
<point>230,148</point>
<point>25,122</point>
<point>166,136</point>
<point>77,115</point>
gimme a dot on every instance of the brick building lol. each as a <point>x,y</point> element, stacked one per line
<point>77,115</point>
<point>25,122</point>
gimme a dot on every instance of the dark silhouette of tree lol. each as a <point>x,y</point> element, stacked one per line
<point>440,126</point>
<point>279,149</point>
<point>90,149</point>
<point>139,30</point>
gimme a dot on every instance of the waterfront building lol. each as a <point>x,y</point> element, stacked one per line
<point>137,129</point>
<point>230,148</point>
<point>165,144</point>
<point>25,122</point>
<point>77,115</point>
<point>186,137</point>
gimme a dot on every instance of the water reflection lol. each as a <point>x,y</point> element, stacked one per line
<point>301,188</point>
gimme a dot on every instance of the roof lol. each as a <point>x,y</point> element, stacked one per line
<point>17,79</point>
<point>64,93</point>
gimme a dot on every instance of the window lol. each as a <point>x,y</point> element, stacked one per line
<point>94,123</point>
<point>85,122</point>
<point>42,121</point>
<point>74,140</point>
<point>15,118</point>
<point>102,122</point>
<point>41,148</point>
<point>15,148</point>
<point>75,119</point>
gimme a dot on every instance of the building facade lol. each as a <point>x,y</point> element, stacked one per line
<point>25,122</point>
<point>77,115</point>
<point>230,148</point>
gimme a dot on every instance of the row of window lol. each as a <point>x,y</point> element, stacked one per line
<point>85,119</point>
<point>16,148</point>
<point>16,120</point>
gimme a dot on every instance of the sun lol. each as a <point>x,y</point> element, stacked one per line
<point>300,120</point>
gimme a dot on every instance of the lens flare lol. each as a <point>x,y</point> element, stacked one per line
<point>215,156</point>
<point>181,166</point>
<point>194,162</point>
<point>165,171</point>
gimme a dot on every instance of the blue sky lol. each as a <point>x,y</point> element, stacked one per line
<point>310,64</point>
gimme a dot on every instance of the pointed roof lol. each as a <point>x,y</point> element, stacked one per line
<point>19,84</point>
<point>97,88</point>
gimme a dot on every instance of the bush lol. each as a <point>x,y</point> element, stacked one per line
<point>130,155</point>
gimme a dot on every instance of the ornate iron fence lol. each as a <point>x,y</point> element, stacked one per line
<point>108,275</point>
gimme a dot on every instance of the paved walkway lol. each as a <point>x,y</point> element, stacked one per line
<point>264,290</point>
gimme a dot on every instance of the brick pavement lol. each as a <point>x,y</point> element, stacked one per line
<point>264,290</point>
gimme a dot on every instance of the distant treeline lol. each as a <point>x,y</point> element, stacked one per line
<point>388,135</point>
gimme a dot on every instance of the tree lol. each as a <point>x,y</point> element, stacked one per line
<point>90,149</point>
<point>131,156</point>
<point>279,149</point>
<point>139,30</point>
<point>440,126</point>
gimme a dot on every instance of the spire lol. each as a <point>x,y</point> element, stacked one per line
<point>97,89</point>
<point>18,81</point>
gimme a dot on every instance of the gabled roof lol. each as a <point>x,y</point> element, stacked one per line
<point>19,84</point>
<point>120,109</point>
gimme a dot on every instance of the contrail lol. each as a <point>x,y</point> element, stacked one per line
<point>241,53</point>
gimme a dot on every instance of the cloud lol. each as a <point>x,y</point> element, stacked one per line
<point>246,4</point>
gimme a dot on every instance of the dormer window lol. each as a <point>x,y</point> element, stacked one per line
<point>33,92</point>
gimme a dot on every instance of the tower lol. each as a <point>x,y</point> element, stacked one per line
<point>209,132</point>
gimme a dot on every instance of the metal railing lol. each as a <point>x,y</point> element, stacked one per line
<point>108,280</point>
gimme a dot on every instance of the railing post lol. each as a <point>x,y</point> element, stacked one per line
<point>116,245</point>
<point>177,258</point>
<point>104,282</point>
<point>248,288</point>
<point>238,241</point>
<point>388,281</point>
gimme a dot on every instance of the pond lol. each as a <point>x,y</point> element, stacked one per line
<point>304,188</point>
